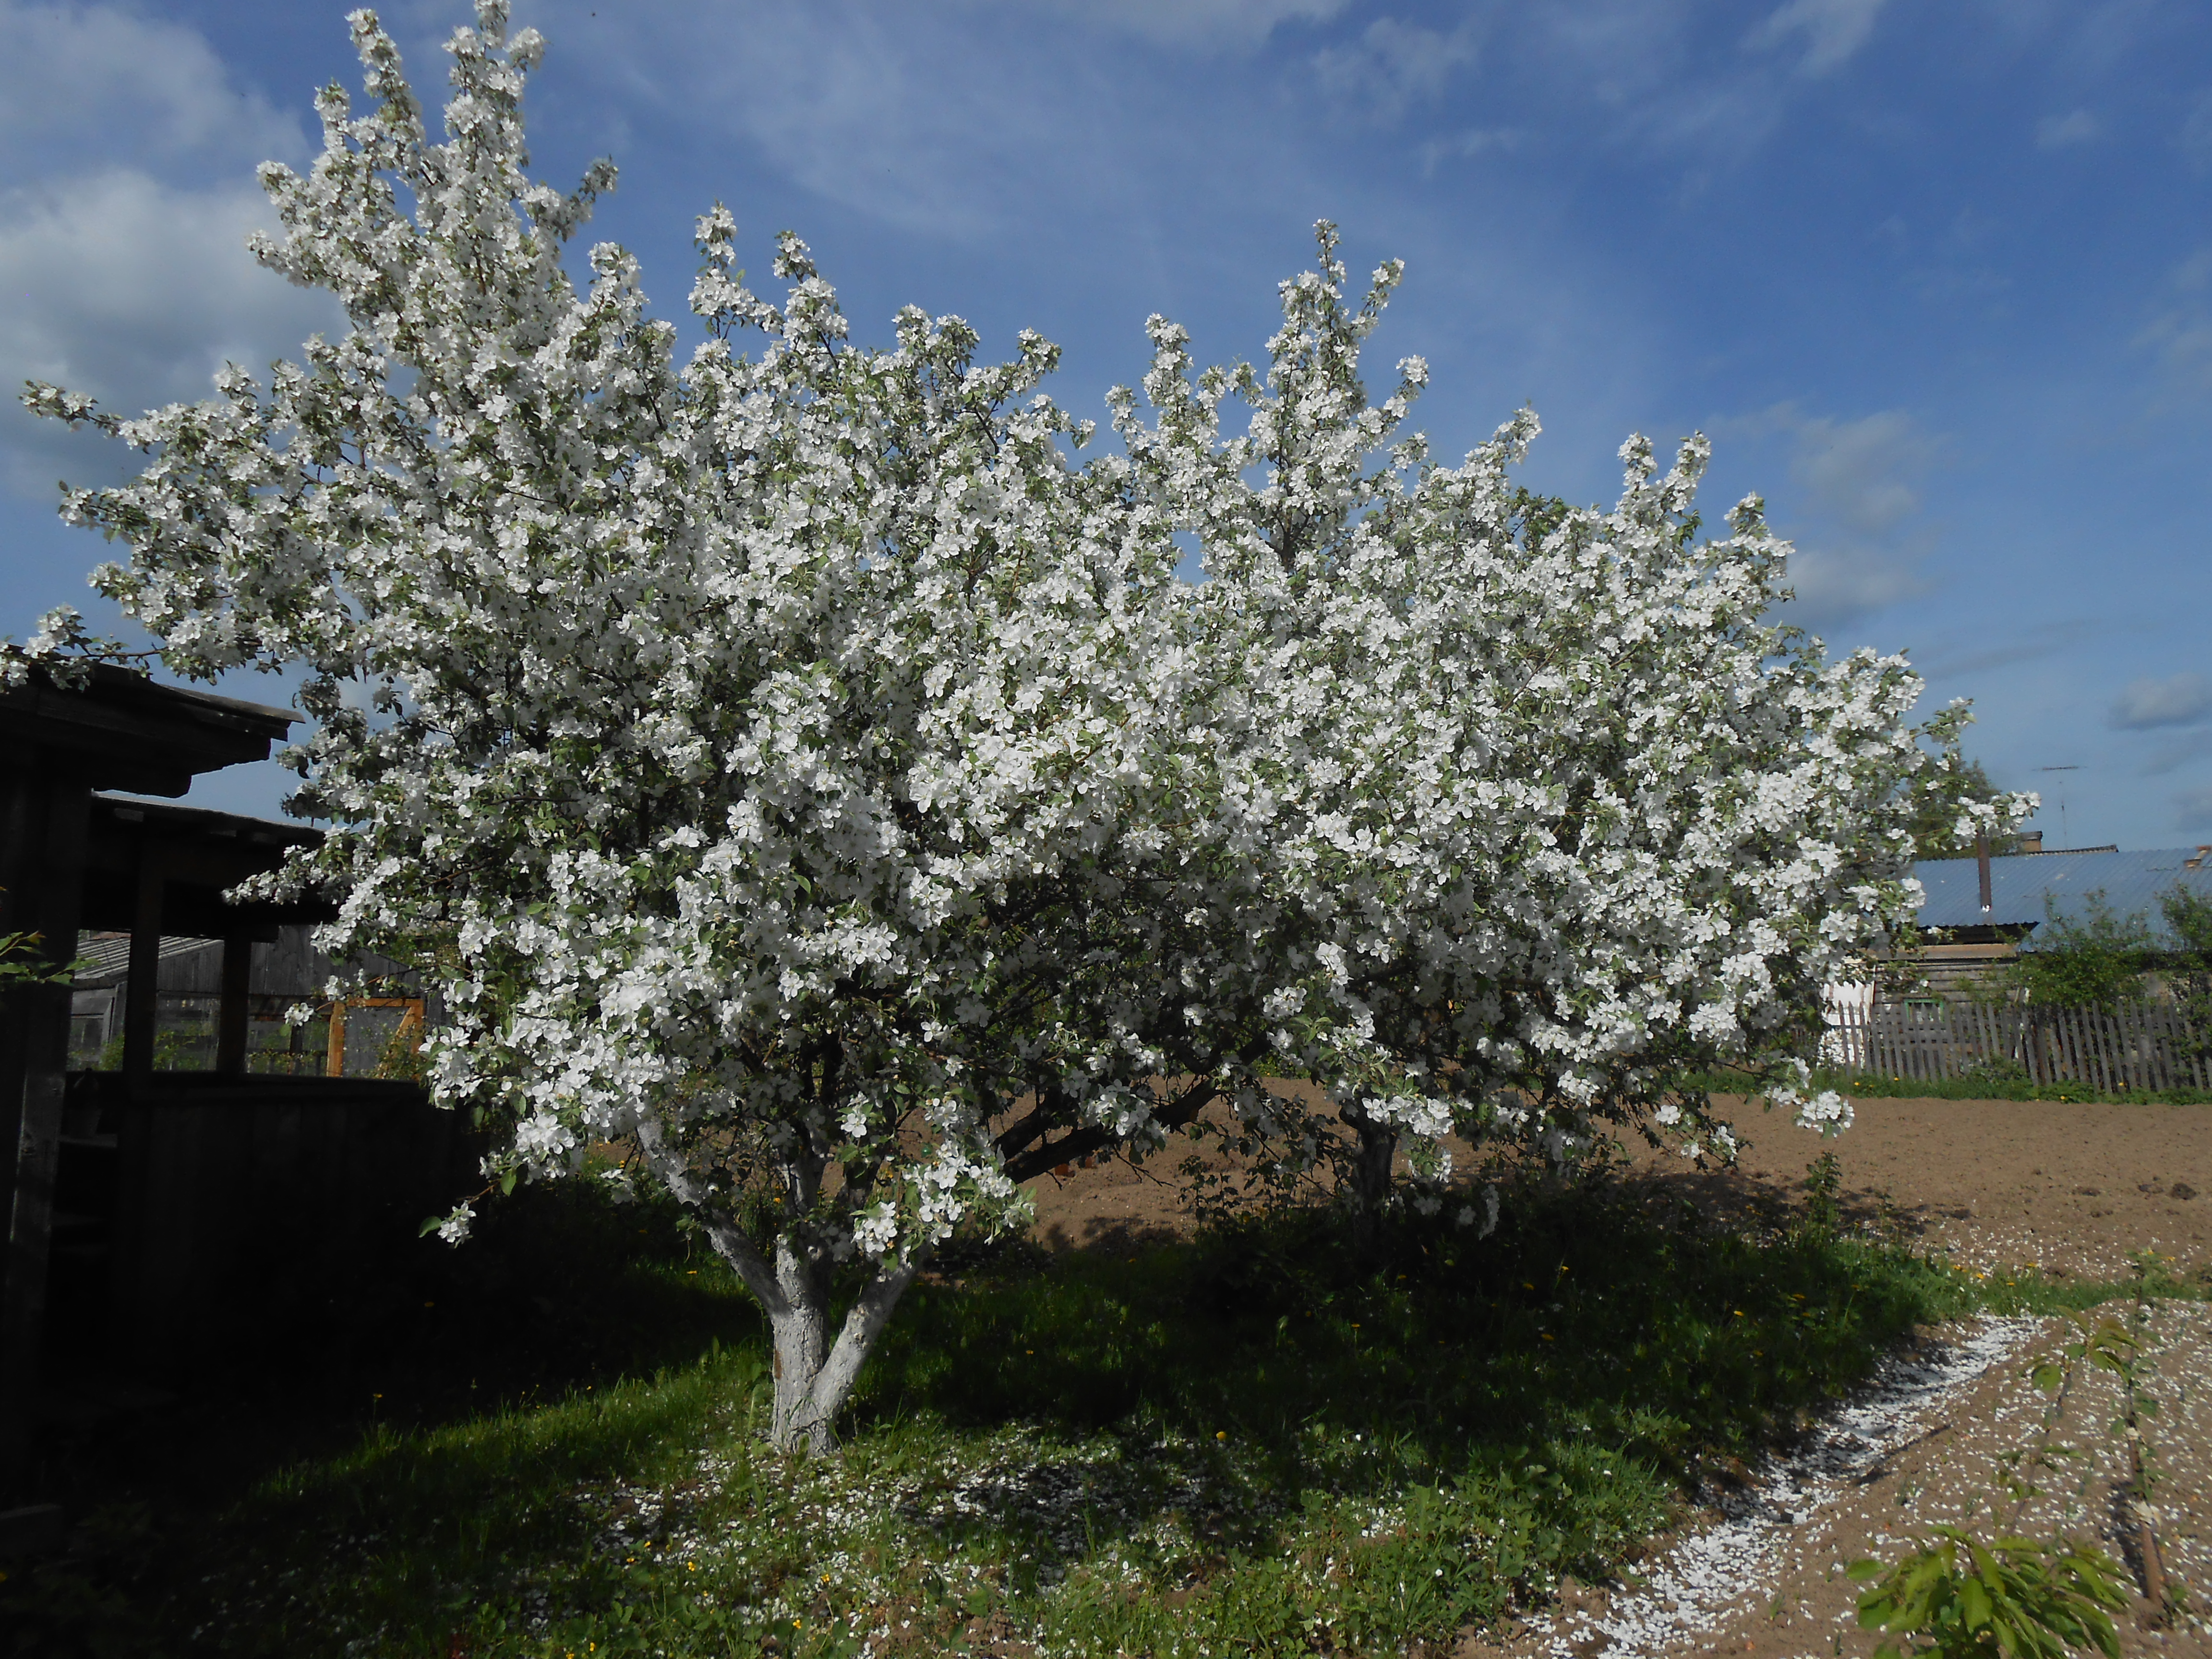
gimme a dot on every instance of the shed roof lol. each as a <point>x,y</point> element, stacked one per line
<point>201,855</point>
<point>2021,885</point>
<point>121,730</point>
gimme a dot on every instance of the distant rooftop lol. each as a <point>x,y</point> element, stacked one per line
<point>2019,884</point>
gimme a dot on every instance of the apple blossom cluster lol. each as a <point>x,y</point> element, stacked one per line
<point>791,760</point>
<point>63,651</point>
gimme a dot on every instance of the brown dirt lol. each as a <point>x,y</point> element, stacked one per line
<point>2073,1190</point>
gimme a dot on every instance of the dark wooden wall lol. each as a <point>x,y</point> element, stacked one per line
<point>240,1210</point>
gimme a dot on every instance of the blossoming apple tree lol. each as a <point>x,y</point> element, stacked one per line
<point>791,764</point>
<point>1560,813</point>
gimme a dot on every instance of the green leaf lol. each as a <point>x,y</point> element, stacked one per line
<point>1974,1603</point>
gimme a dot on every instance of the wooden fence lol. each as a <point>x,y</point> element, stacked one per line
<point>2139,1046</point>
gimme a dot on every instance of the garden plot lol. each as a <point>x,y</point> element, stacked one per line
<point>1928,1442</point>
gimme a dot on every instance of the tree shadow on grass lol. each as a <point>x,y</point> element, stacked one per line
<point>444,1410</point>
<point>1218,1390</point>
<point>1585,1315</point>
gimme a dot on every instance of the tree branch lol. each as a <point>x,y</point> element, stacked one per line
<point>1027,1166</point>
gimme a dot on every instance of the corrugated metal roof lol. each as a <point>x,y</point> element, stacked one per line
<point>107,960</point>
<point>2019,886</point>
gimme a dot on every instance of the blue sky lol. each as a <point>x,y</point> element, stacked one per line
<point>1937,278</point>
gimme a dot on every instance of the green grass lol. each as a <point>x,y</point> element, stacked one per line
<point>1250,1444</point>
<point>2002,1088</point>
<point>1866,1086</point>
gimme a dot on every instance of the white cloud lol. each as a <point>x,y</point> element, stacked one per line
<point>1833,31</point>
<point>124,258</point>
<point>2181,699</point>
<point>2079,126</point>
<point>1392,65</point>
<point>1204,22</point>
<point>135,293</point>
<point>81,87</point>
<point>1833,584</point>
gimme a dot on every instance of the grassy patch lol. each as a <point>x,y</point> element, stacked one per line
<point>2013,1291</point>
<point>1869,1086</point>
<point>2001,1088</point>
<point>1253,1443</point>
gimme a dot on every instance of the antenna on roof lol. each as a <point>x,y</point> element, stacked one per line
<point>2063,838</point>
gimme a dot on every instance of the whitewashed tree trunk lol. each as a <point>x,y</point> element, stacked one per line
<point>814,1375</point>
<point>799,1328</point>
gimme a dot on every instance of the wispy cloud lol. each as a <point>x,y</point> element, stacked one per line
<point>1953,659</point>
<point>2181,331</point>
<point>1392,64</point>
<point>943,125</point>
<point>970,122</point>
<point>2195,137</point>
<point>2182,749</point>
<point>1465,146</point>
<point>2066,131</point>
<point>1859,486</point>
<point>1831,32</point>
<point>1640,74</point>
<point>2192,810</point>
<point>1205,23</point>
<point>2180,699</point>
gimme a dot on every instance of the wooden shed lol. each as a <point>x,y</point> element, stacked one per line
<point>149,1206</point>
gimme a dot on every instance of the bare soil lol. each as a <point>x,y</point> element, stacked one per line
<point>2075,1190</point>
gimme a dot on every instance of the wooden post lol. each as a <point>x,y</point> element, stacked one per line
<point>334,1057</point>
<point>140,1004</point>
<point>230,1024</point>
<point>46,860</point>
